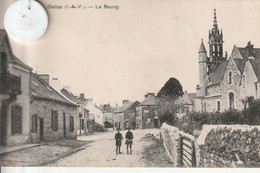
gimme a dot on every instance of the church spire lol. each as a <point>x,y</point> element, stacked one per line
<point>215,23</point>
<point>202,47</point>
<point>215,40</point>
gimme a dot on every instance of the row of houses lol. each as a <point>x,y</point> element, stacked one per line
<point>143,115</point>
<point>31,110</point>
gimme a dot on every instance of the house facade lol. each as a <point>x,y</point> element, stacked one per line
<point>146,116</point>
<point>223,80</point>
<point>15,80</point>
<point>53,117</point>
<point>186,103</point>
<point>125,116</point>
<point>83,113</point>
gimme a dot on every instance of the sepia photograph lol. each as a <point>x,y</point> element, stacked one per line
<point>130,83</point>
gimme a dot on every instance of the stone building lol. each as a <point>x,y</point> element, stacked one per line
<point>125,115</point>
<point>15,79</point>
<point>146,113</point>
<point>53,117</point>
<point>221,85</point>
<point>83,116</point>
<point>186,103</point>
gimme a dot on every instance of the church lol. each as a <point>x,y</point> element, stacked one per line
<point>226,83</point>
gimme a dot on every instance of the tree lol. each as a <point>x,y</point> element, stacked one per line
<point>167,101</point>
<point>172,88</point>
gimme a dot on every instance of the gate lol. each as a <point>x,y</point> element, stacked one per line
<point>187,152</point>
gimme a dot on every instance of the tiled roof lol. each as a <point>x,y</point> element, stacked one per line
<point>72,97</point>
<point>149,101</point>
<point>42,90</point>
<point>240,64</point>
<point>18,62</point>
<point>217,75</point>
<point>128,107</point>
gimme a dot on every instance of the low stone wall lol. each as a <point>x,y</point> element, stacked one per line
<point>171,137</point>
<point>229,146</point>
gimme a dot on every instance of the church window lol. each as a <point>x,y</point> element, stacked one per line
<point>231,101</point>
<point>230,78</point>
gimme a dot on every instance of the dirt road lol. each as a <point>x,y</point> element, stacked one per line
<point>101,152</point>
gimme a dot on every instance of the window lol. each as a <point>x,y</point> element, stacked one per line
<point>54,120</point>
<point>16,120</point>
<point>231,101</point>
<point>230,78</point>
<point>71,123</point>
<point>218,105</point>
<point>35,122</point>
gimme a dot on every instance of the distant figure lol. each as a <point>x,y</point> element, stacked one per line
<point>129,140</point>
<point>118,138</point>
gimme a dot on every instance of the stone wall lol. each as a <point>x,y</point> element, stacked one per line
<point>229,146</point>
<point>43,109</point>
<point>171,142</point>
<point>233,87</point>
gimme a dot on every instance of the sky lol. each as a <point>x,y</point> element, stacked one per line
<point>113,55</point>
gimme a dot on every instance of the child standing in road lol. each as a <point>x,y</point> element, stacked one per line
<point>129,140</point>
<point>118,138</point>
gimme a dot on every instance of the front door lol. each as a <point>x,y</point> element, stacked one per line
<point>64,125</point>
<point>41,129</point>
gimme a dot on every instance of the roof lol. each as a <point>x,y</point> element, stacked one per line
<point>149,101</point>
<point>217,75</point>
<point>42,90</point>
<point>69,95</point>
<point>256,67</point>
<point>240,64</point>
<point>5,45</point>
<point>107,108</point>
<point>128,107</point>
<point>202,47</point>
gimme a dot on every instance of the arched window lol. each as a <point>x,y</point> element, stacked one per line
<point>231,101</point>
<point>230,78</point>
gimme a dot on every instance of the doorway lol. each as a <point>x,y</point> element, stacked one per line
<point>41,129</point>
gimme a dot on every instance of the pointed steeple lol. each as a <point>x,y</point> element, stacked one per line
<point>215,23</point>
<point>202,47</point>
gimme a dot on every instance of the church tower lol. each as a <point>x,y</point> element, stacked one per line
<point>215,45</point>
<point>202,64</point>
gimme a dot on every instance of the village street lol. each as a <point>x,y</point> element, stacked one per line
<point>101,152</point>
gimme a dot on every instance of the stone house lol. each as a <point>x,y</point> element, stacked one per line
<point>53,117</point>
<point>108,112</point>
<point>125,115</point>
<point>15,79</point>
<point>146,116</point>
<point>83,116</point>
<point>221,83</point>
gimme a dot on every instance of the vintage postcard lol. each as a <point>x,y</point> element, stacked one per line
<point>130,83</point>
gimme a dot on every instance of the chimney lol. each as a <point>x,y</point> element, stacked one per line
<point>45,77</point>
<point>125,101</point>
<point>82,96</point>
